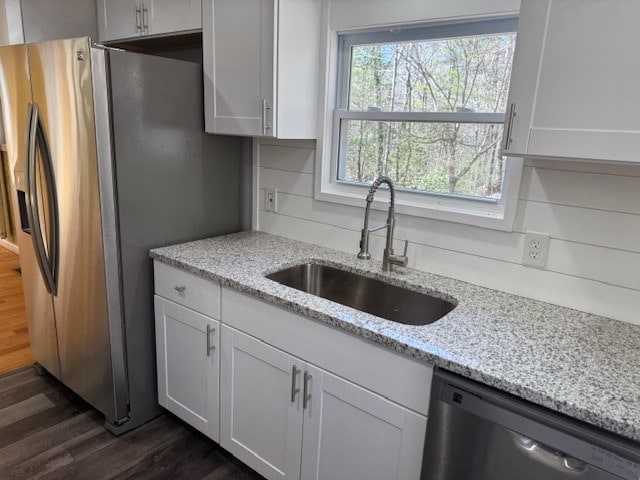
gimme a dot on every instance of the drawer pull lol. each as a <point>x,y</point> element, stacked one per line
<point>210,347</point>
<point>265,109</point>
<point>180,289</point>
<point>305,389</point>
<point>138,19</point>
<point>294,374</point>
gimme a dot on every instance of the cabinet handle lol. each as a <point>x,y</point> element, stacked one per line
<point>507,134</point>
<point>145,19</point>
<point>294,374</point>
<point>210,347</point>
<point>305,388</point>
<point>180,289</point>
<point>265,108</point>
<point>138,19</point>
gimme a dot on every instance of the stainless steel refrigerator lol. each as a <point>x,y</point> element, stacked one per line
<point>111,159</point>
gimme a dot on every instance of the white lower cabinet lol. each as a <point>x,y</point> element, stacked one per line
<point>350,432</point>
<point>188,365</point>
<point>290,397</point>
<point>260,424</point>
<point>288,419</point>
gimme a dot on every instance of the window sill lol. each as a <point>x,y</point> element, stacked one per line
<point>495,216</point>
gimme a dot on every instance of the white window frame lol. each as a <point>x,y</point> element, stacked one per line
<point>488,213</point>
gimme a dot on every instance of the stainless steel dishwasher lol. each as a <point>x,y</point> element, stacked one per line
<point>476,432</point>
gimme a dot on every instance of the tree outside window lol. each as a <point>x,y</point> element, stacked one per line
<point>425,106</point>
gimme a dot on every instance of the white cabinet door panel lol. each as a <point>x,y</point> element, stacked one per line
<point>574,81</point>
<point>260,60</point>
<point>594,47</point>
<point>524,74</point>
<point>242,65</point>
<point>117,19</point>
<point>188,365</point>
<point>260,425</point>
<point>165,16</point>
<point>350,432</point>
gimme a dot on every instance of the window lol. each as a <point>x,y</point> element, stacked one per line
<point>426,106</point>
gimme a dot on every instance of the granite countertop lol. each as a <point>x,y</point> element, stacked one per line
<point>579,364</point>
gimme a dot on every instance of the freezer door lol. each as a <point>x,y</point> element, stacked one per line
<point>62,91</point>
<point>15,92</point>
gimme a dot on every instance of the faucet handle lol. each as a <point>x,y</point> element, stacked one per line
<point>400,260</point>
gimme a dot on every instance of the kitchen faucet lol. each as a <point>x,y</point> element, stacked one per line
<point>388,258</point>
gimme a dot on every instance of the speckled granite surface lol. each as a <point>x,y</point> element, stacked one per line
<point>573,362</point>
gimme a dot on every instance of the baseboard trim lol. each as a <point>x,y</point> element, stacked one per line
<point>9,246</point>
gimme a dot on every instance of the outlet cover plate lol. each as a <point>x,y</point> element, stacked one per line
<point>536,249</point>
<point>270,199</point>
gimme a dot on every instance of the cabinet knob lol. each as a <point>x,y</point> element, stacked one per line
<point>180,289</point>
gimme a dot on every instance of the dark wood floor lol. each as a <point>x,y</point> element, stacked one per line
<point>47,432</point>
<point>14,337</point>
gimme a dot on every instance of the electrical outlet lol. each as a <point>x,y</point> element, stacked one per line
<point>536,249</point>
<point>270,199</point>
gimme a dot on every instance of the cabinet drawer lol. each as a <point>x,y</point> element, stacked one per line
<point>187,289</point>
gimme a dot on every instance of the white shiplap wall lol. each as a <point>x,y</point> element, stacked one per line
<point>591,212</point>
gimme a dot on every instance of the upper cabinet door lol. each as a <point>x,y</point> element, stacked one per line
<point>261,67</point>
<point>118,19</point>
<point>239,60</point>
<point>166,16</point>
<point>575,77</point>
<point>122,19</point>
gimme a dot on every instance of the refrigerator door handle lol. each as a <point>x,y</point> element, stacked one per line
<point>48,263</point>
<point>52,201</point>
<point>30,172</point>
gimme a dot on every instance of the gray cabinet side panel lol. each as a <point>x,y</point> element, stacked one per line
<point>57,19</point>
<point>174,183</point>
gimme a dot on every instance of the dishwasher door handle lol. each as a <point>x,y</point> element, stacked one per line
<point>549,456</point>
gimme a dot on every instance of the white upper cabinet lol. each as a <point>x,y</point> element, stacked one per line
<point>575,79</point>
<point>261,67</point>
<point>168,16</point>
<point>122,19</point>
<point>118,19</point>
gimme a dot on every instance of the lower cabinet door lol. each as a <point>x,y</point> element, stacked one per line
<point>352,433</point>
<point>260,405</point>
<point>188,365</point>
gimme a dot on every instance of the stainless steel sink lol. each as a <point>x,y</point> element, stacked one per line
<point>366,294</point>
